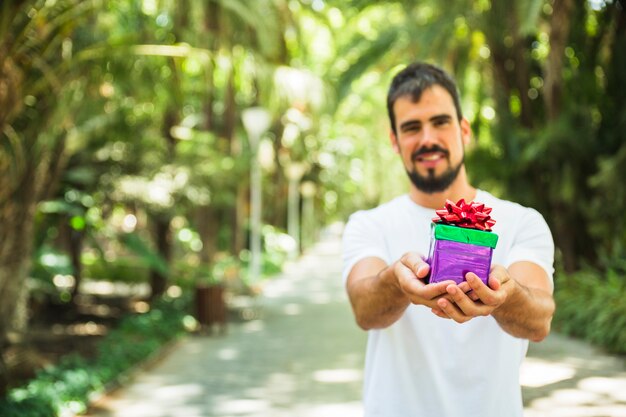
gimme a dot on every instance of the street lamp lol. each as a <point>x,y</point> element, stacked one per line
<point>294,172</point>
<point>308,190</point>
<point>256,121</point>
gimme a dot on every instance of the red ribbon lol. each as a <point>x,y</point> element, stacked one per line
<point>471,215</point>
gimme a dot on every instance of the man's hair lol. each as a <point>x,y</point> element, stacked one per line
<point>414,80</point>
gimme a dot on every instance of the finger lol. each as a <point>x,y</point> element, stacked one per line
<point>500,272</point>
<point>407,280</point>
<point>482,292</point>
<point>439,313</point>
<point>452,311</point>
<point>416,263</point>
<point>464,286</point>
<point>494,283</point>
<point>467,306</point>
<point>432,291</point>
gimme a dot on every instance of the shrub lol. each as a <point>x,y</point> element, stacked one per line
<point>66,388</point>
<point>591,307</point>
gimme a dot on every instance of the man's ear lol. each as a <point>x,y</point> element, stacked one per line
<point>394,141</point>
<point>466,131</point>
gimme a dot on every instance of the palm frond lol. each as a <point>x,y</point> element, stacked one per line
<point>371,55</point>
<point>528,13</point>
<point>260,19</point>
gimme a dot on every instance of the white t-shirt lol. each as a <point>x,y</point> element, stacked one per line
<point>423,365</point>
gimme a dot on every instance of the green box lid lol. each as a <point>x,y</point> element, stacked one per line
<point>465,235</point>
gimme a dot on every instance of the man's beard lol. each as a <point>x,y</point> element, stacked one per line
<point>430,183</point>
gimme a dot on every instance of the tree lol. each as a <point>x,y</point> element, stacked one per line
<point>40,88</point>
<point>537,78</point>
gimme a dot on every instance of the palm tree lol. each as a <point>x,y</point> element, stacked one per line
<point>37,46</point>
<point>537,64</point>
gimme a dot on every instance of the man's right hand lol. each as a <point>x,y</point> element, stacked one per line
<point>411,272</point>
<point>380,293</point>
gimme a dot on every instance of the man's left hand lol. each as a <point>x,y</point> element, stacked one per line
<point>473,298</point>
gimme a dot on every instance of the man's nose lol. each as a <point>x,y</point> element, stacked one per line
<point>429,136</point>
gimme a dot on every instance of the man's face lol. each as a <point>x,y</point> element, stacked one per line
<point>430,139</point>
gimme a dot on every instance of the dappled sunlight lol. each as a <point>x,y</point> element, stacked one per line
<point>228,354</point>
<point>350,409</point>
<point>277,289</point>
<point>536,372</point>
<point>320,298</point>
<point>253,326</point>
<point>557,409</point>
<point>80,329</point>
<point>571,380</point>
<point>178,393</point>
<point>229,406</point>
<point>567,397</point>
<point>114,288</point>
<point>168,145</point>
<point>177,397</point>
<point>611,387</point>
<point>591,360</point>
<point>292,309</point>
<point>304,358</point>
<point>141,307</point>
<point>335,376</point>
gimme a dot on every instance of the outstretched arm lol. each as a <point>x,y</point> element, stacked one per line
<point>379,293</point>
<point>519,298</point>
<point>529,308</point>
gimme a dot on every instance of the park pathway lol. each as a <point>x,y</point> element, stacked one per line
<point>302,357</point>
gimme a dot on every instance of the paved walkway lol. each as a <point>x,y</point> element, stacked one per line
<point>303,356</point>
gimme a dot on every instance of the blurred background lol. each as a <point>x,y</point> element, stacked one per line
<point>149,148</point>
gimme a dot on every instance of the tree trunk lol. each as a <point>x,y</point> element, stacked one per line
<point>565,241</point>
<point>74,241</point>
<point>510,66</point>
<point>17,220</point>
<point>162,237</point>
<point>553,77</point>
<point>230,109</point>
<point>76,251</point>
<point>162,233</point>
<point>208,228</point>
<point>522,83</point>
<point>212,29</point>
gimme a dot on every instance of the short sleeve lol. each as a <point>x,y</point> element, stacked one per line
<point>533,242</point>
<point>362,238</point>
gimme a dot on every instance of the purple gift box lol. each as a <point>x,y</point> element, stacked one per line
<point>455,251</point>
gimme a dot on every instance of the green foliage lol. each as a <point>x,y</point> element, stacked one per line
<point>591,306</point>
<point>136,109</point>
<point>68,386</point>
<point>120,269</point>
<point>276,248</point>
<point>147,255</point>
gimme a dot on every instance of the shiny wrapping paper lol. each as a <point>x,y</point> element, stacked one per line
<point>461,242</point>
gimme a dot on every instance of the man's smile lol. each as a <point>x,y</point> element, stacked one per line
<point>429,157</point>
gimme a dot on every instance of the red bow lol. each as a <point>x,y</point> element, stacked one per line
<point>471,215</point>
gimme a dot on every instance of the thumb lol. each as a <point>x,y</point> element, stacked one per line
<point>423,270</point>
<point>494,283</point>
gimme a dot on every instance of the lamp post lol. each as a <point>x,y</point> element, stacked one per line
<point>295,171</point>
<point>256,120</point>
<point>308,190</point>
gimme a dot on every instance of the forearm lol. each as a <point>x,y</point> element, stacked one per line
<point>527,313</point>
<point>376,301</point>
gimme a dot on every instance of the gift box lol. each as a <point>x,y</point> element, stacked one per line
<point>461,242</point>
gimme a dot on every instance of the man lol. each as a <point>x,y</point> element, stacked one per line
<point>441,349</point>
